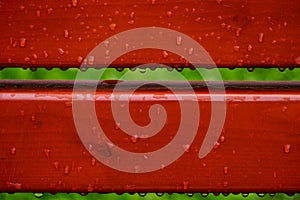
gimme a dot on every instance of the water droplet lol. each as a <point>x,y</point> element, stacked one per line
<point>250,69</point>
<point>261,37</point>
<point>186,148</point>
<point>178,40</point>
<point>23,42</point>
<point>185,185</point>
<point>203,194</point>
<point>159,194</point>
<point>142,70</point>
<point>284,108</point>
<point>45,54</point>
<point>274,42</point>
<point>119,69</point>
<point>179,69</point>
<point>117,126</point>
<point>275,174</point>
<point>22,8</point>
<point>165,54</point>
<point>297,60</point>
<point>191,50</point>
<point>190,194</point>
<point>61,51</point>
<point>249,48</point>
<point>169,14</point>
<point>27,59</point>
<point>14,185</point>
<point>49,11</point>
<point>89,188</point>
<point>34,56</point>
<point>38,195</point>
<point>153,1</point>
<point>219,1</point>
<point>225,170</point>
<point>238,32</point>
<point>134,139</point>
<point>38,13</point>
<point>281,69</point>
<point>79,168</point>
<point>47,152</point>
<point>222,138</point>
<point>74,3</point>
<point>66,169</point>
<point>112,26</point>
<point>245,194</point>
<point>142,194</point>
<point>287,148</point>
<point>66,33</point>
<point>91,60</point>
<point>236,48</point>
<point>93,161</point>
<point>56,164</point>
<point>217,145</point>
<point>240,62</point>
<point>225,183</point>
<point>223,25</point>
<point>33,118</point>
<point>131,22</point>
<point>261,194</point>
<point>132,14</point>
<point>79,59</point>
<point>13,151</point>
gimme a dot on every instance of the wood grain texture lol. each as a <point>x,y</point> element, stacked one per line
<point>62,33</point>
<point>258,150</point>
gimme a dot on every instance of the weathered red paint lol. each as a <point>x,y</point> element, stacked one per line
<point>249,33</point>
<point>258,150</point>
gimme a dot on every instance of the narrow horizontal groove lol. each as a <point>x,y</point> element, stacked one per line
<point>232,66</point>
<point>106,84</point>
<point>234,91</point>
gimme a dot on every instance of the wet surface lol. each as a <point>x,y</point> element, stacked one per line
<point>258,149</point>
<point>61,34</point>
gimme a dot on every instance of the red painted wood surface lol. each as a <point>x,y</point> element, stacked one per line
<point>249,33</point>
<point>258,150</point>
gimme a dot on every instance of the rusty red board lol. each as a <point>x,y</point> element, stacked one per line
<point>257,151</point>
<point>250,33</point>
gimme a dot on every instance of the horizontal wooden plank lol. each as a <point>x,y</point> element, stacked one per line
<point>249,33</point>
<point>258,149</point>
